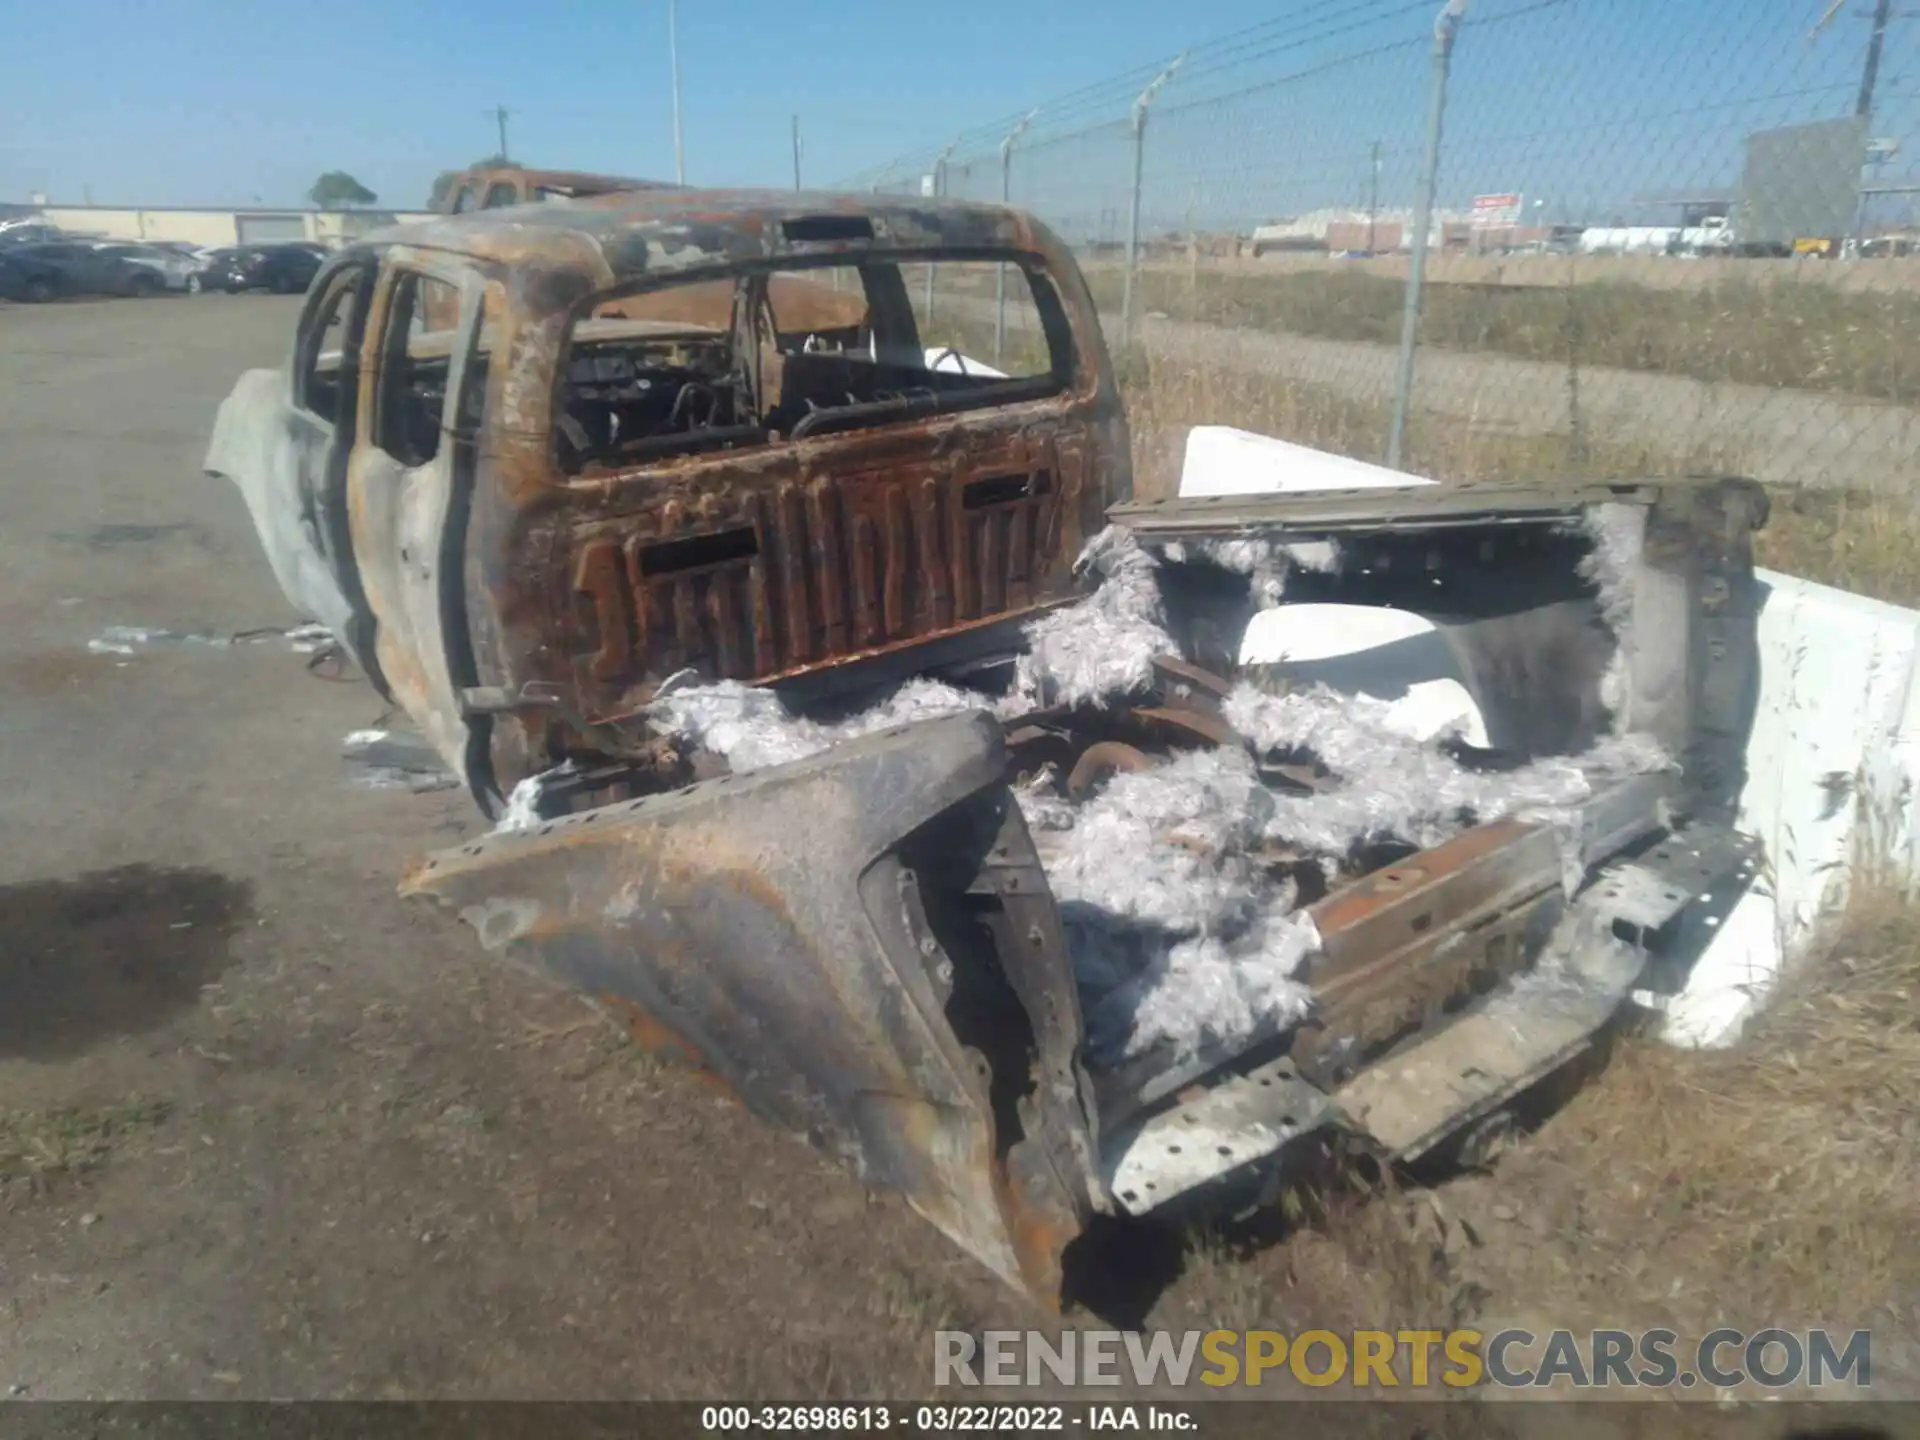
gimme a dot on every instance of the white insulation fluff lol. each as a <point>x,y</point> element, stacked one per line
<point>752,729</point>
<point>1618,534</point>
<point>1179,936</point>
<point>523,809</point>
<point>1104,647</point>
<point>1395,787</point>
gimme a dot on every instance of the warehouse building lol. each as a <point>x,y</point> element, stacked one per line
<point>204,226</point>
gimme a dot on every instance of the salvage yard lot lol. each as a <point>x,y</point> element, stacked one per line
<point>270,1131</point>
<point>265,1130</point>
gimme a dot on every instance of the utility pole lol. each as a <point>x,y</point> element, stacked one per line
<point>673,59</point>
<point>1863,108</point>
<point>500,113</point>
<point>1870,74</point>
<point>1373,202</point>
<point>796,152</point>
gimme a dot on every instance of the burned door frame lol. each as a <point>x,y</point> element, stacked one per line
<point>323,445</point>
<point>409,519</point>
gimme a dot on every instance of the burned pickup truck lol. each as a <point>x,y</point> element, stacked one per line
<point>852,732</point>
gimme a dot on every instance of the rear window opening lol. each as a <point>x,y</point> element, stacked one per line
<point>802,353</point>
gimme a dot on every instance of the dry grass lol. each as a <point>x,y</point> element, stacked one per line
<point>1776,1178</point>
<point>36,1146</point>
<point>1165,398</point>
<point>1773,1182</point>
<point>1869,543</point>
<point>1810,337</point>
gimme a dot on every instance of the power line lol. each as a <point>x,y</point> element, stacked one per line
<point>1251,43</point>
<point>1339,61</point>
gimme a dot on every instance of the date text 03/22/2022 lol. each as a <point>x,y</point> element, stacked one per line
<point>943,1419</point>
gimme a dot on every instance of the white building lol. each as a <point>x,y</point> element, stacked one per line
<point>199,226</point>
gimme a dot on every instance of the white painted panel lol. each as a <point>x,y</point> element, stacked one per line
<point>1221,460</point>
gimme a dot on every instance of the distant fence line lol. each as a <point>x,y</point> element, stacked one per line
<point>1482,159</point>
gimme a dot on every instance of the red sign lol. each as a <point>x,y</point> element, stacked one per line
<point>1493,210</point>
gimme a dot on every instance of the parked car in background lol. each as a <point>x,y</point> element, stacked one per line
<point>24,278</point>
<point>27,231</point>
<point>169,264</point>
<point>87,268</point>
<point>284,269</point>
<point>210,268</point>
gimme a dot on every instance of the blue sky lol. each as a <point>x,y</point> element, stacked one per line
<point>1588,102</point>
<point>195,101</point>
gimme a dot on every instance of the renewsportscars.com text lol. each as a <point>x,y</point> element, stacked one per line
<point>1724,1359</point>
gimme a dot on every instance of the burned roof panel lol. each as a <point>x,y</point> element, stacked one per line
<point>649,231</point>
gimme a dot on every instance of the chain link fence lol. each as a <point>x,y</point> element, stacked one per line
<point>1657,239</point>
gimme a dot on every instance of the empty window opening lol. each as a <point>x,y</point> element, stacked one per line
<point>808,351</point>
<point>419,342</point>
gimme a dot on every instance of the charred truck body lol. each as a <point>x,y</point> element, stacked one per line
<point>857,737</point>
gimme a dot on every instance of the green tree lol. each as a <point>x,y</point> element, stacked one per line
<point>337,190</point>
<point>443,182</point>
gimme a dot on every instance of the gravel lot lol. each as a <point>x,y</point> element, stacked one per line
<point>268,1130</point>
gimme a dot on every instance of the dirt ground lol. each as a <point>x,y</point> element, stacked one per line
<point>272,1132</point>
<point>266,1131</point>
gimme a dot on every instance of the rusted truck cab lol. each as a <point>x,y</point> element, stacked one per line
<point>528,463</point>
<point>497,187</point>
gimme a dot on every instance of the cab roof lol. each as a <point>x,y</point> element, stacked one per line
<point>651,231</point>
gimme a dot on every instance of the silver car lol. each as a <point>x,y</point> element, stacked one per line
<point>175,270</point>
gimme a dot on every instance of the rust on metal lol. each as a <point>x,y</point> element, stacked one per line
<point>765,561</point>
<point>494,186</point>
<point>1097,762</point>
<point>813,982</point>
<point>1404,945</point>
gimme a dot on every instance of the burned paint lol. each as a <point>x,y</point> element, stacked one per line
<point>888,982</point>
<point>862,945</point>
<point>763,558</point>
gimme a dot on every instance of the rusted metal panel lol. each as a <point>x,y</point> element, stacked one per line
<point>527,184</point>
<point>1407,944</point>
<point>1475,503</point>
<point>888,981</point>
<point>771,562</point>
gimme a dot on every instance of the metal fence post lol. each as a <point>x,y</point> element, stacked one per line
<point>939,189</point>
<point>1445,26</point>
<point>1133,206</point>
<point>1006,198</point>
